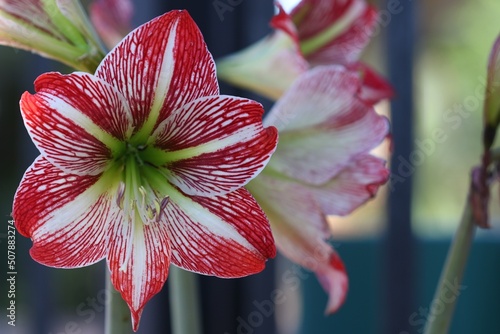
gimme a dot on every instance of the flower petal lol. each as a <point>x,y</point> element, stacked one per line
<point>283,21</point>
<point>215,144</point>
<point>335,282</point>
<point>323,125</point>
<point>225,236</point>
<point>300,230</point>
<point>138,258</point>
<point>374,87</point>
<point>76,121</point>
<point>159,67</point>
<point>334,32</point>
<point>92,97</point>
<point>267,67</point>
<point>315,16</point>
<point>282,197</point>
<point>314,97</point>
<point>65,215</point>
<point>112,19</point>
<point>353,186</point>
<point>32,12</point>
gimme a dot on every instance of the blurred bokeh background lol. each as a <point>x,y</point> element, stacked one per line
<point>435,53</point>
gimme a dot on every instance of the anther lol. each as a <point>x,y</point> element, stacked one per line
<point>120,195</point>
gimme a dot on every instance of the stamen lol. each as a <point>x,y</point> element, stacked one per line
<point>164,203</point>
<point>142,190</point>
<point>120,194</point>
<point>162,207</point>
<point>141,203</point>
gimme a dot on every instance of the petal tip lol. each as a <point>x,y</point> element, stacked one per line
<point>335,282</point>
<point>135,318</point>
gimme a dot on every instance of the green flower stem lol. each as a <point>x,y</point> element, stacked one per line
<point>452,274</point>
<point>184,302</point>
<point>117,313</point>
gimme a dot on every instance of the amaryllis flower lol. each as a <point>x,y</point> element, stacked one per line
<point>112,19</point>
<point>143,164</point>
<point>316,32</point>
<point>57,29</point>
<point>321,167</point>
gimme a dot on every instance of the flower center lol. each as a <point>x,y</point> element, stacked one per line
<point>136,197</point>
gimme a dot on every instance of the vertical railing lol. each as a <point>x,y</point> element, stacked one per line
<point>400,256</point>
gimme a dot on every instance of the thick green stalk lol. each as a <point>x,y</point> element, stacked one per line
<point>117,313</point>
<point>184,302</point>
<point>449,288</point>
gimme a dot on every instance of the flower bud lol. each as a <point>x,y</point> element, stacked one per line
<point>56,29</point>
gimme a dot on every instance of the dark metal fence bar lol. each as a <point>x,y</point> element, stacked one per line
<point>400,259</point>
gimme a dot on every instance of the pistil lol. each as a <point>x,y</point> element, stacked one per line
<point>139,200</point>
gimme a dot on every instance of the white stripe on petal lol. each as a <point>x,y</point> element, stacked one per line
<point>79,119</point>
<point>165,71</point>
<point>205,218</point>
<point>65,215</point>
<point>225,236</point>
<point>92,199</point>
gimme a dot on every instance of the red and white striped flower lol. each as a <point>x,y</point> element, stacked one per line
<point>321,167</point>
<point>143,164</point>
<point>316,32</point>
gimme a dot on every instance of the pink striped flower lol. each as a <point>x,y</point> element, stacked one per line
<point>322,166</point>
<point>316,32</point>
<point>143,163</point>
